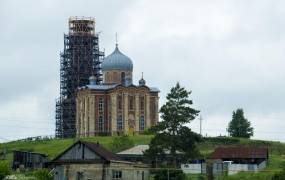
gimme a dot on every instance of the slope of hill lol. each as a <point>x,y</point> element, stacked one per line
<point>55,146</point>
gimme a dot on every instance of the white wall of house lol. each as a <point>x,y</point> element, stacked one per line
<point>191,168</point>
<point>235,168</point>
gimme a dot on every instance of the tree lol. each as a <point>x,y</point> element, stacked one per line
<point>239,125</point>
<point>171,134</point>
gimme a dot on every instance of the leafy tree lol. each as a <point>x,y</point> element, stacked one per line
<point>4,169</point>
<point>171,134</point>
<point>239,125</point>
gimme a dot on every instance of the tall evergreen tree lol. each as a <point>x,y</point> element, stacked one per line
<point>171,134</point>
<point>239,126</point>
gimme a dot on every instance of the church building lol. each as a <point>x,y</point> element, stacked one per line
<point>117,106</point>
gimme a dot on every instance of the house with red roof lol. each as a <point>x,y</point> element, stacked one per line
<point>236,159</point>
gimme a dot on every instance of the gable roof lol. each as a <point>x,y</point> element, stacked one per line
<point>101,151</point>
<point>94,147</point>
<point>240,152</point>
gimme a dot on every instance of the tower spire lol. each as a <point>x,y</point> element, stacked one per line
<point>142,81</point>
<point>116,39</point>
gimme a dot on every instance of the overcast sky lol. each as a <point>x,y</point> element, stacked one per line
<point>229,53</point>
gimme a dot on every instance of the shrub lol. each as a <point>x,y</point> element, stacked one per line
<point>120,143</point>
<point>169,174</point>
<point>43,174</point>
<point>4,169</point>
<point>280,175</point>
<point>222,140</point>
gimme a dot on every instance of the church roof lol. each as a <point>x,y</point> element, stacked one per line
<point>117,61</point>
<point>105,87</point>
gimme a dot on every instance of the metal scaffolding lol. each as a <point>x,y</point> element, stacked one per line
<point>80,59</point>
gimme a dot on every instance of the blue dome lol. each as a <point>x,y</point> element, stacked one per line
<point>117,61</point>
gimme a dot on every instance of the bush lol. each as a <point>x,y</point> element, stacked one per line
<point>120,143</point>
<point>43,174</point>
<point>222,140</point>
<point>172,174</point>
<point>280,175</point>
<point>4,169</point>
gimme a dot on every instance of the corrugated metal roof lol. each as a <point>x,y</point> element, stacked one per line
<point>239,152</point>
<point>136,150</point>
<point>101,86</point>
<point>104,87</point>
<point>139,150</point>
<point>154,89</point>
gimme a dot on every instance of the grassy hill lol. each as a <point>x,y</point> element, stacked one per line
<point>53,147</point>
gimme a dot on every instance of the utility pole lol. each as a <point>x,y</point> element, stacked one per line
<point>200,118</point>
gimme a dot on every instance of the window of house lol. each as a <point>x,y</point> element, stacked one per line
<point>142,123</point>
<point>120,123</point>
<point>116,174</point>
<point>101,104</point>
<point>101,124</point>
<point>131,102</point>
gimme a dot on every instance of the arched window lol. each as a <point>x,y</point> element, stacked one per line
<point>142,124</point>
<point>119,102</point>
<point>131,102</point>
<point>120,123</point>
<point>101,104</point>
<point>123,77</point>
<point>142,103</point>
<point>101,124</point>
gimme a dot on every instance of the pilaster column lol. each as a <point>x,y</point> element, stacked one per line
<point>126,113</point>
<point>77,117</point>
<point>81,117</point>
<point>137,112</point>
<point>157,110</point>
<point>147,111</point>
<point>92,115</point>
<point>86,117</point>
<point>113,113</point>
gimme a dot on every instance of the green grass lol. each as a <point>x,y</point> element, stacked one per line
<point>54,147</point>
